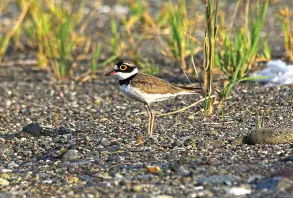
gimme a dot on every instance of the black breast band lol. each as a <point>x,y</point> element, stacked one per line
<point>127,80</point>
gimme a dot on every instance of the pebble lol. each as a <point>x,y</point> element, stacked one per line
<point>12,165</point>
<point>47,181</point>
<point>105,142</point>
<point>71,155</point>
<point>2,140</point>
<point>213,161</point>
<point>204,146</point>
<point>202,193</point>
<point>239,191</point>
<point>4,170</point>
<point>63,130</point>
<point>80,163</point>
<point>137,188</point>
<point>183,171</point>
<point>161,196</point>
<point>217,179</point>
<point>178,143</point>
<point>4,182</point>
<point>5,176</point>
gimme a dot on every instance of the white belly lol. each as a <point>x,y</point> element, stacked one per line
<point>140,96</point>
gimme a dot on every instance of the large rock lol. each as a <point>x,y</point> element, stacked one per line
<point>270,136</point>
<point>287,173</point>
<point>275,183</point>
<point>33,129</point>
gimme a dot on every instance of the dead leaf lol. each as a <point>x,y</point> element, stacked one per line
<point>139,140</point>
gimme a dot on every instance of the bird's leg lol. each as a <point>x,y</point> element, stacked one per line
<point>149,117</point>
<point>152,122</point>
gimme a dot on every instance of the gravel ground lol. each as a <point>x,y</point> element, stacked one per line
<point>88,140</point>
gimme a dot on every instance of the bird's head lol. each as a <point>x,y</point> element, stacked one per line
<point>123,70</point>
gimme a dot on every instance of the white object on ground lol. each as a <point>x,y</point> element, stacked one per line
<point>278,73</point>
<point>238,191</point>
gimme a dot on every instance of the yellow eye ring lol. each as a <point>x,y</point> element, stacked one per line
<point>123,67</point>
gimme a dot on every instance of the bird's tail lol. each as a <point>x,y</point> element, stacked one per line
<point>191,90</point>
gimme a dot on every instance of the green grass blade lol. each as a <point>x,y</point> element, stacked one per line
<point>96,58</point>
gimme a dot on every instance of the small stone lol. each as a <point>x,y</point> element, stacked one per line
<point>228,182</point>
<point>203,193</point>
<point>90,196</point>
<point>4,170</point>
<point>2,140</point>
<point>222,172</point>
<point>12,165</point>
<point>71,155</point>
<point>174,166</point>
<point>271,136</point>
<point>98,101</point>
<point>62,131</point>
<point>105,142</point>
<point>23,139</point>
<point>33,129</point>
<point>190,142</point>
<point>161,196</point>
<point>177,143</point>
<point>191,117</point>
<point>238,191</point>
<point>204,146</point>
<point>214,132</point>
<point>105,176</point>
<point>47,181</point>
<point>5,176</point>
<point>217,179</point>
<point>213,161</point>
<point>4,182</point>
<point>183,171</point>
<point>85,177</point>
<point>137,188</point>
<point>81,163</point>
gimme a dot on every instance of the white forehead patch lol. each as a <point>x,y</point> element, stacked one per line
<point>115,67</point>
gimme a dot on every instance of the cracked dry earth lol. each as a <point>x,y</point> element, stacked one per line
<point>88,140</point>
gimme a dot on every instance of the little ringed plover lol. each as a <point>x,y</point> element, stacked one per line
<point>146,88</point>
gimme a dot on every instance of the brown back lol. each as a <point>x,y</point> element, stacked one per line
<point>153,85</point>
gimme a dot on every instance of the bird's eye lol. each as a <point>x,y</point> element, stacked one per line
<point>123,67</point>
